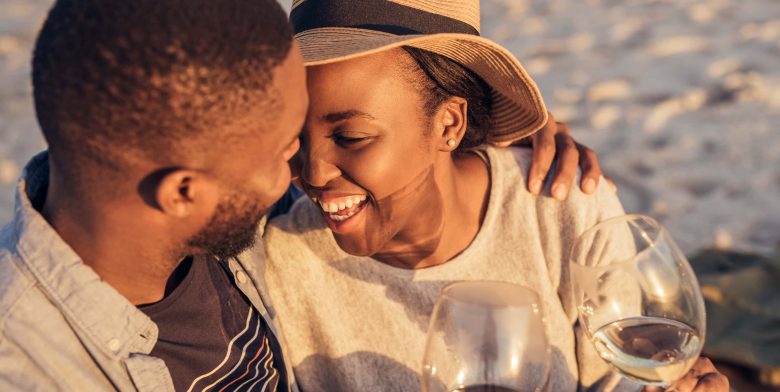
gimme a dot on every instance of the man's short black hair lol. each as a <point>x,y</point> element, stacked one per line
<point>144,76</point>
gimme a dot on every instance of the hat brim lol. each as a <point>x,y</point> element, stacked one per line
<point>518,109</point>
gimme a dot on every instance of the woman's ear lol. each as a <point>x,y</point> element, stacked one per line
<point>185,193</point>
<point>451,123</point>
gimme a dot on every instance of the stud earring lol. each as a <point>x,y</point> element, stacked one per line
<point>451,142</point>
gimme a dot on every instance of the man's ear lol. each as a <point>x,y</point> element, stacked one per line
<point>183,193</point>
<point>451,123</point>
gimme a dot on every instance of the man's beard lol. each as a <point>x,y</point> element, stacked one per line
<point>232,228</point>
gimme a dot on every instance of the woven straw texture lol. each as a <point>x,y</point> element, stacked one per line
<point>518,109</point>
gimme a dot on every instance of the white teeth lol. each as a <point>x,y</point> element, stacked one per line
<point>333,207</point>
<point>341,218</point>
<point>329,207</point>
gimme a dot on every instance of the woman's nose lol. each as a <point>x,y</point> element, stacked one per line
<point>318,172</point>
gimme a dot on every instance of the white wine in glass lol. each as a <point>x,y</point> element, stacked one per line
<point>638,299</point>
<point>649,349</point>
<point>486,337</point>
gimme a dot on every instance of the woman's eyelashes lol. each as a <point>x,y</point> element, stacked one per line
<point>350,140</point>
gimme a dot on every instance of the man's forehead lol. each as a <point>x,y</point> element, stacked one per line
<point>290,79</point>
<point>290,83</point>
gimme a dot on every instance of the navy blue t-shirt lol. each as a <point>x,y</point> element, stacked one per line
<point>210,336</point>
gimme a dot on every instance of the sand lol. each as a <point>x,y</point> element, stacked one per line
<point>680,98</point>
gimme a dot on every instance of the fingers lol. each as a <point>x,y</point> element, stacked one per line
<point>702,366</point>
<point>591,169</point>
<point>713,382</point>
<point>703,377</point>
<point>554,139</point>
<point>685,384</point>
<point>543,153</point>
<point>568,161</point>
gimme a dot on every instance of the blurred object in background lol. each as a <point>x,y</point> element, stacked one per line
<point>680,97</point>
<point>742,296</point>
<point>20,136</point>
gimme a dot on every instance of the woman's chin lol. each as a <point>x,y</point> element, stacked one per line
<point>354,245</point>
<point>357,234</point>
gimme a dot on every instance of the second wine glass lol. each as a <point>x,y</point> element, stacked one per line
<point>638,299</point>
<point>486,337</point>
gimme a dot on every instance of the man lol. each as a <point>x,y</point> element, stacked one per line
<point>169,125</point>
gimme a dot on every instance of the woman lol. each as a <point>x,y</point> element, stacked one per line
<point>403,94</point>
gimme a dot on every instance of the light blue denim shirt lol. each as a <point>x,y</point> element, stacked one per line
<point>62,328</point>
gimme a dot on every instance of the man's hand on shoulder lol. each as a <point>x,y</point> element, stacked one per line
<point>554,141</point>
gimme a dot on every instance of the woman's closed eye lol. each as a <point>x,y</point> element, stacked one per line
<point>350,139</point>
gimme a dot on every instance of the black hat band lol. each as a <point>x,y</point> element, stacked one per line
<point>378,15</point>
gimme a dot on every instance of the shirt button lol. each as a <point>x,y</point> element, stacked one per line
<point>241,277</point>
<point>113,345</point>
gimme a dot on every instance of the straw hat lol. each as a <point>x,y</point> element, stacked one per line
<point>328,31</point>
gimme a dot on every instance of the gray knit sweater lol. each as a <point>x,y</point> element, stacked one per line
<point>356,324</point>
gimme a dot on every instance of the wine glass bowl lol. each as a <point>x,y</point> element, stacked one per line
<point>638,299</point>
<point>486,336</point>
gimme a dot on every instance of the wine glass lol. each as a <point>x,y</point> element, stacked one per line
<point>638,299</point>
<point>486,337</point>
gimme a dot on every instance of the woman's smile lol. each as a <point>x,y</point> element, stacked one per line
<point>369,159</point>
<point>342,212</point>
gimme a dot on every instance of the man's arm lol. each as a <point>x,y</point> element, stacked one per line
<point>554,142</point>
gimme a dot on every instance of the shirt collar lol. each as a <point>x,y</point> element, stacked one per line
<point>96,310</point>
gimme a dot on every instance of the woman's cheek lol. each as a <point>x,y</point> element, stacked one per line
<point>382,172</point>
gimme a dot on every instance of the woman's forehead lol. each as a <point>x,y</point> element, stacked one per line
<point>358,83</point>
<point>393,62</point>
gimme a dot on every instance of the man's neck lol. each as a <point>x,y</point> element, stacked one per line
<point>113,241</point>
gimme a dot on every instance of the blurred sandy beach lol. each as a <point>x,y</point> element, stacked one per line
<point>681,99</point>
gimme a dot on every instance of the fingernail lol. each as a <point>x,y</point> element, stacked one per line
<point>536,186</point>
<point>559,191</point>
<point>589,185</point>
